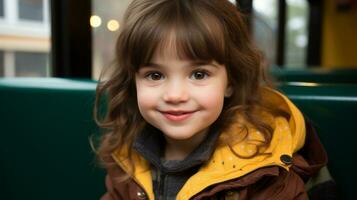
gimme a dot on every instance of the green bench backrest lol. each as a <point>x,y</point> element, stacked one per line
<point>44,148</point>
<point>315,75</point>
<point>332,109</point>
<point>46,125</point>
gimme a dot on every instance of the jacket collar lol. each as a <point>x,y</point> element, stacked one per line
<point>150,145</point>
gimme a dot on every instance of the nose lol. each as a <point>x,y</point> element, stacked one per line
<point>176,92</point>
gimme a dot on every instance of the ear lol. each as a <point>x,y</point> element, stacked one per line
<point>228,92</point>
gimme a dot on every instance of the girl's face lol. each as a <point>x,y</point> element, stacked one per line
<point>182,98</point>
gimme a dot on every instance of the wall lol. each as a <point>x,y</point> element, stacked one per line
<point>339,42</point>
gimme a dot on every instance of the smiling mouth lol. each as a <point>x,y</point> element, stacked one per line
<point>177,116</point>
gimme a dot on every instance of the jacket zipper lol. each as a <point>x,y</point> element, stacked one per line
<point>161,184</point>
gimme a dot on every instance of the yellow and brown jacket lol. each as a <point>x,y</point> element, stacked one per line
<point>283,171</point>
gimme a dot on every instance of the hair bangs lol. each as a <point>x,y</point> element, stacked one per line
<point>189,40</point>
<point>176,29</point>
<point>200,36</point>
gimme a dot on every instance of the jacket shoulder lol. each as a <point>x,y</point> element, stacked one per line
<point>307,177</point>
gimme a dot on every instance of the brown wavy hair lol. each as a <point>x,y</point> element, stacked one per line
<point>204,30</point>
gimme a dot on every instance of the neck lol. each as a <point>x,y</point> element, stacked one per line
<point>180,149</point>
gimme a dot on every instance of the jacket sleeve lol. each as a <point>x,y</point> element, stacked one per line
<point>110,194</point>
<point>321,186</point>
<point>310,163</point>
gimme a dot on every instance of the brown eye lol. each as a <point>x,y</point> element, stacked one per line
<point>155,76</point>
<point>199,75</point>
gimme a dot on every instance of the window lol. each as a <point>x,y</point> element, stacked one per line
<point>1,8</point>
<point>265,29</point>
<point>31,64</point>
<point>31,10</point>
<point>25,39</point>
<point>105,21</point>
<point>296,33</point>
<point>265,25</point>
<point>2,64</point>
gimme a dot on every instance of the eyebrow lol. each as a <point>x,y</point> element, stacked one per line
<point>190,64</point>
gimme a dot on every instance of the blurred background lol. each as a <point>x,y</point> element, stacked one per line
<point>310,46</point>
<point>63,38</point>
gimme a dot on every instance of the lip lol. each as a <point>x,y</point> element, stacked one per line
<point>177,116</point>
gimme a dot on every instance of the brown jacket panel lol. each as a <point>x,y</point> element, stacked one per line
<point>121,190</point>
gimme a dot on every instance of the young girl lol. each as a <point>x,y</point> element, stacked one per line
<point>190,114</point>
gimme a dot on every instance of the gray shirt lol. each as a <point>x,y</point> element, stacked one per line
<point>169,176</point>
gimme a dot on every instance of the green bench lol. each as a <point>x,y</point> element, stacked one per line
<point>46,124</point>
<point>44,148</point>
<point>315,75</point>
<point>333,110</point>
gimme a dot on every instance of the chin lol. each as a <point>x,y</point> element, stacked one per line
<point>181,134</point>
<point>178,136</point>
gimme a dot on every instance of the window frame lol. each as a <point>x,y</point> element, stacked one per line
<point>314,31</point>
<point>71,38</point>
<point>2,63</point>
<point>3,11</point>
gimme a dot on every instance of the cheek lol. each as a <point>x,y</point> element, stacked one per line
<point>211,98</point>
<point>146,98</point>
